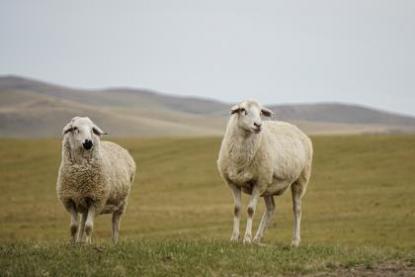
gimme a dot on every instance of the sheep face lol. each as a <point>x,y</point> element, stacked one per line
<point>249,114</point>
<point>82,133</point>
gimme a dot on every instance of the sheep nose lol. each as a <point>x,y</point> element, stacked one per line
<point>87,144</point>
<point>258,125</point>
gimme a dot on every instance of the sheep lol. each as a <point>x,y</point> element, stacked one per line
<point>94,178</point>
<point>263,159</point>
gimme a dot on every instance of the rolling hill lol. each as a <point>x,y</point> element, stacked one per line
<point>32,108</point>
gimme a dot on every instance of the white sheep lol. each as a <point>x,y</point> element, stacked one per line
<point>263,159</point>
<point>94,177</point>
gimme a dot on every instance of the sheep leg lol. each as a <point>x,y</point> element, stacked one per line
<point>236,192</point>
<point>116,216</point>
<point>81,232</point>
<point>297,193</point>
<point>253,200</point>
<point>73,226</point>
<point>89,224</point>
<point>266,218</point>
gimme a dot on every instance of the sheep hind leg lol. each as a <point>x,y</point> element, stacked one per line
<point>297,191</point>
<point>81,232</point>
<point>116,218</point>
<point>266,218</point>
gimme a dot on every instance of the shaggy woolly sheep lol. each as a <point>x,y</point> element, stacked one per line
<point>94,177</point>
<point>263,159</point>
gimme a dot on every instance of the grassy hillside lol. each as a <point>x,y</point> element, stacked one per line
<point>35,114</point>
<point>358,211</point>
<point>35,109</point>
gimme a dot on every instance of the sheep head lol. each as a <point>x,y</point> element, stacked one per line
<point>82,133</point>
<point>249,114</point>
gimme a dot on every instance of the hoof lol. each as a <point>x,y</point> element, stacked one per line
<point>80,240</point>
<point>257,240</point>
<point>114,240</point>
<point>88,240</point>
<point>295,243</point>
<point>235,238</point>
<point>247,239</point>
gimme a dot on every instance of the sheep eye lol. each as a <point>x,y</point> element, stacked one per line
<point>244,111</point>
<point>74,129</point>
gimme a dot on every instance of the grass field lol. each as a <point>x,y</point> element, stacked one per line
<point>359,213</point>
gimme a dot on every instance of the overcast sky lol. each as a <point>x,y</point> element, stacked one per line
<point>276,51</point>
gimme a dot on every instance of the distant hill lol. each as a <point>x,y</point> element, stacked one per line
<point>38,109</point>
<point>340,113</point>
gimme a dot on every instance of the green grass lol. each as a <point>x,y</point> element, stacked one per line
<point>184,258</point>
<point>358,211</point>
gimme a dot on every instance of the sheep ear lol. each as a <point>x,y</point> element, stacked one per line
<point>235,109</point>
<point>68,128</point>
<point>97,131</point>
<point>266,112</point>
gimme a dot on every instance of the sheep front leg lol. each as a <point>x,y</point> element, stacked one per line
<point>266,218</point>
<point>73,226</point>
<point>236,192</point>
<point>253,200</point>
<point>89,224</point>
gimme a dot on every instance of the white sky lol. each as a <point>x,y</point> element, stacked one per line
<point>355,51</point>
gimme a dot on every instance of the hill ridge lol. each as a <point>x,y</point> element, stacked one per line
<point>29,107</point>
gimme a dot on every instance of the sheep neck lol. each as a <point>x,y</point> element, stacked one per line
<point>243,147</point>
